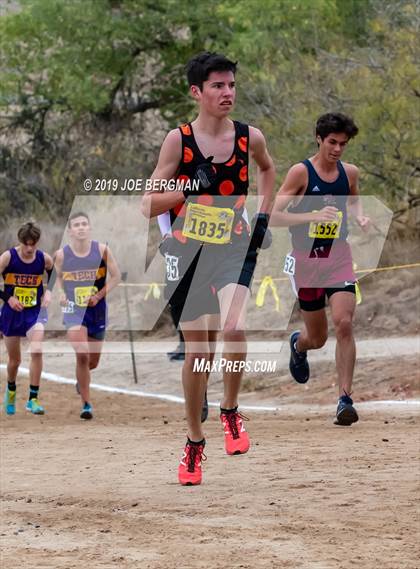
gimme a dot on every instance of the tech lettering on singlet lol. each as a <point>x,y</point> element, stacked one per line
<point>24,280</point>
<point>213,214</point>
<point>319,194</point>
<point>82,278</point>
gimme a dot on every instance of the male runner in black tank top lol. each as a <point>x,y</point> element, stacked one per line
<point>320,264</point>
<point>207,148</point>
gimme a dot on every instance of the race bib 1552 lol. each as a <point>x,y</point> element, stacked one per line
<point>326,229</point>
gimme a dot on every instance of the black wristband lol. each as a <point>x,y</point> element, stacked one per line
<point>4,295</point>
<point>260,234</point>
<point>52,277</point>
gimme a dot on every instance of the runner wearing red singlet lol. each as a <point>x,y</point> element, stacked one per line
<point>210,230</point>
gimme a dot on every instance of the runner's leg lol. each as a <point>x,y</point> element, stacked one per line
<point>233,300</point>
<point>314,332</point>
<point>35,336</point>
<point>214,325</point>
<point>13,350</point>
<point>12,344</point>
<point>79,340</point>
<point>195,382</point>
<point>343,306</point>
<point>95,351</point>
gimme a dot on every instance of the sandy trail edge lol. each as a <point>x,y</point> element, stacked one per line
<point>104,494</point>
<point>308,495</point>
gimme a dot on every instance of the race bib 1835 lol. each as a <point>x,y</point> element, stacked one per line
<point>208,224</point>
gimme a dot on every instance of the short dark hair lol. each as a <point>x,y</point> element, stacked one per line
<point>335,122</point>
<point>201,65</point>
<point>29,232</point>
<point>77,214</point>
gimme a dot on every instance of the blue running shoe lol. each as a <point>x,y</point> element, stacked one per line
<point>86,412</point>
<point>205,409</point>
<point>35,407</point>
<point>298,365</point>
<point>346,414</point>
<point>10,402</point>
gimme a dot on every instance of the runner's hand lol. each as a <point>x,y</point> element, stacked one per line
<point>14,304</point>
<point>364,222</point>
<point>328,213</point>
<point>46,299</point>
<point>206,174</point>
<point>93,300</point>
<point>63,299</point>
<point>165,244</point>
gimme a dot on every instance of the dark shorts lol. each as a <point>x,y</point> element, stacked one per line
<point>196,273</point>
<point>94,321</point>
<point>311,299</point>
<point>13,323</point>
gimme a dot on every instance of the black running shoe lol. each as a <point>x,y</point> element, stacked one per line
<point>178,355</point>
<point>346,414</point>
<point>205,409</point>
<point>86,412</point>
<point>298,365</point>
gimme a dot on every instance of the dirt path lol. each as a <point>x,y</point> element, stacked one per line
<point>307,495</point>
<point>157,375</point>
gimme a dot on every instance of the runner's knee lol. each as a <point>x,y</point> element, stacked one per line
<point>343,327</point>
<point>191,357</point>
<point>233,335</point>
<point>36,349</point>
<point>317,341</point>
<point>81,348</point>
<point>14,362</point>
<point>93,363</point>
<point>82,358</point>
<point>36,353</point>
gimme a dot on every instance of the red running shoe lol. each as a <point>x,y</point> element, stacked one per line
<point>236,437</point>
<point>189,470</point>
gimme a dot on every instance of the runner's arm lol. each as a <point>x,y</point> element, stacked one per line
<point>3,264</point>
<point>4,261</point>
<point>293,186</point>
<point>58,267</point>
<point>113,270</point>
<point>49,268</point>
<point>12,301</point>
<point>266,173</point>
<point>354,202</point>
<point>155,202</point>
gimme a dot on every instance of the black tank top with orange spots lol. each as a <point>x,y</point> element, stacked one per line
<point>231,180</point>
